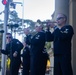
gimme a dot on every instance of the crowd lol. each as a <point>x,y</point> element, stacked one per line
<point>34,55</point>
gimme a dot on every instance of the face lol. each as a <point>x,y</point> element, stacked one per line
<point>60,19</point>
<point>8,38</point>
<point>37,28</point>
<point>26,31</point>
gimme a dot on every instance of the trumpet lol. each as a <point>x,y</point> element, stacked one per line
<point>46,22</point>
<point>49,22</point>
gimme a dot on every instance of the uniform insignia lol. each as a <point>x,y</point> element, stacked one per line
<point>37,37</point>
<point>31,37</point>
<point>66,31</point>
<point>17,42</point>
<point>61,31</point>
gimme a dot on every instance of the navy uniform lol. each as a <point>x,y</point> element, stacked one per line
<point>27,39</point>
<point>26,55</point>
<point>14,46</point>
<point>38,55</point>
<point>62,49</point>
<point>26,61</point>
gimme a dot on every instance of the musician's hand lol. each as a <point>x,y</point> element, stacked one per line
<point>15,54</point>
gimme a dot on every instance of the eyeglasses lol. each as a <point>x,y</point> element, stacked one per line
<point>8,37</point>
<point>60,18</point>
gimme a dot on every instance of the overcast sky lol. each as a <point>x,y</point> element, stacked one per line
<point>34,9</point>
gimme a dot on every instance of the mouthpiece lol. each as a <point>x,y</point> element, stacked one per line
<point>49,22</point>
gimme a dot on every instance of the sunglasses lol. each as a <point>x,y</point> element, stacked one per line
<point>60,18</point>
<point>8,37</point>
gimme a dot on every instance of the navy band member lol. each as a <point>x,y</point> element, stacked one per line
<point>13,48</point>
<point>26,52</point>
<point>27,39</point>
<point>26,60</point>
<point>61,36</point>
<point>38,55</point>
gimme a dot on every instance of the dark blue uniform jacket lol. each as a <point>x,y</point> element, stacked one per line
<point>14,45</point>
<point>62,39</point>
<point>38,43</point>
